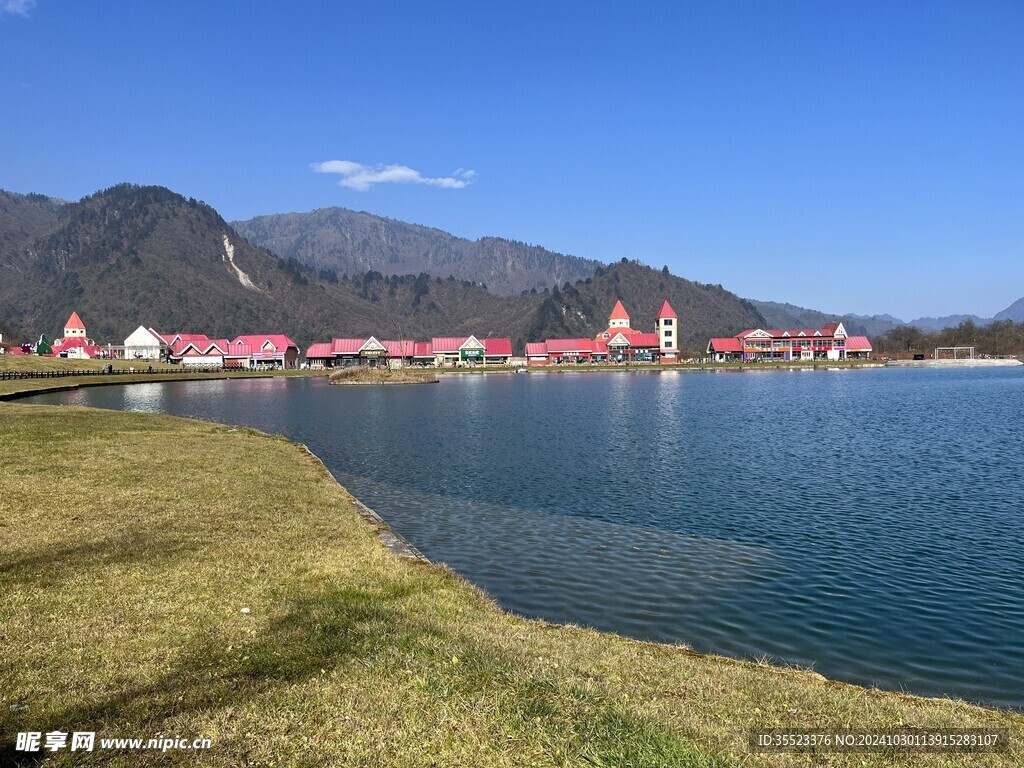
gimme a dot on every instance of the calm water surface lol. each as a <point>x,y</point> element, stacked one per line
<point>867,523</point>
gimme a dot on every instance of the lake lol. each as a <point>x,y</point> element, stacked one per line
<point>866,523</point>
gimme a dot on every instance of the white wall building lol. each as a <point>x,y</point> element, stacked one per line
<point>145,344</point>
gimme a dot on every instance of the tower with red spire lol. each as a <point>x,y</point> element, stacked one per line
<point>666,324</point>
<point>74,328</point>
<point>619,318</point>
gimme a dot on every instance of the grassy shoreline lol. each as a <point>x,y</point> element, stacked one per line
<point>130,543</point>
<point>12,389</point>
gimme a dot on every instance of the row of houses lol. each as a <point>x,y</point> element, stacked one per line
<point>830,342</point>
<point>439,351</point>
<point>249,351</point>
<point>617,343</point>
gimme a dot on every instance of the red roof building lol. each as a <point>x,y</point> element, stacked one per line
<point>618,343</point>
<point>346,347</point>
<point>256,351</point>
<point>830,342</point>
<point>74,327</point>
<point>198,352</point>
<point>400,350</point>
<point>170,338</point>
<point>857,344</point>
<point>75,348</point>
<point>250,351</point>
<point>536,350</point>
<point>75,343</point>
<point>320,351</point>
<point>497,351</point>
<point>618,322</point>
<point>441,350</point>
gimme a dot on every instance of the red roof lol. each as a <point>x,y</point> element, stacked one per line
<point>665,311</point>
<point>449,344</point>
<point>399,348</point>
<point>346,346</point>
<point>279,341</point>
<point>199,337</point>
<point>536,348</point>
<point>858,344</point>
<point>498,347</point>
<point>65,343</point>
<point>613,331</point>
<point>89,350</point>
<point>644,340</point>
<point>794,333</point>
<point>423,349</point>
<point>319,350</point>
<point>200,347</point>
<point>600,348</point>
<point>618,312</point>
<point>730,344</point>
<point>75,322</point>
<point>565,346</point>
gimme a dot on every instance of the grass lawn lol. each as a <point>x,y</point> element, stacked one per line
<point>38,363</point>
<point>130,545</point>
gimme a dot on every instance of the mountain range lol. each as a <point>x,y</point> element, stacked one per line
<point>133,255</point>
<point>791,316</point>
<point>352,242</point>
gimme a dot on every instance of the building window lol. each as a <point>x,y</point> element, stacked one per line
<point>668,334</point>
<point>667,321</point>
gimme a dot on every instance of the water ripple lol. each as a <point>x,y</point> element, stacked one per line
<point>867,524</point>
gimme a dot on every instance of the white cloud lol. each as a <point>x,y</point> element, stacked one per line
<point>18,7</point>
<point>362,177</point>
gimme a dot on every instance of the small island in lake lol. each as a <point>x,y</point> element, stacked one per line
<point>360,374</point>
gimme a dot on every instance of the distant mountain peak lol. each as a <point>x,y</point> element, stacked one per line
<point>348,241</point>
<point>1013,312</point>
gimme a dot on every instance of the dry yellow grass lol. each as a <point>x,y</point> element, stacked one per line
<point>361,374</point>
<point>129,545</point>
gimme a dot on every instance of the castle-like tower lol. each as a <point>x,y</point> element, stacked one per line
<point>666,323</point>
<point>619,318</point>
<point>74,328</point>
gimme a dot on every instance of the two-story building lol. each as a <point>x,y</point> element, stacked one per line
<point>830,342</point>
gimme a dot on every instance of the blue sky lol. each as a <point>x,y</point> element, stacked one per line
<point>847,156</point>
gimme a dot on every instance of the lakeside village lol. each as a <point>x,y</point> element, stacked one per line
<point>618,344</point>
